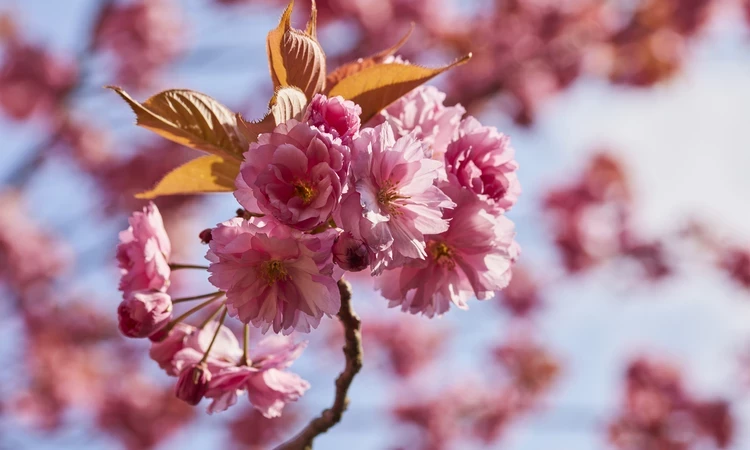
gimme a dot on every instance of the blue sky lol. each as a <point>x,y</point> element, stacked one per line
<point>684,142</point>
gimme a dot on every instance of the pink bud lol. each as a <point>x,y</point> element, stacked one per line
<point>143,313</point>
<point>350,253</point>
<point>193,384</point>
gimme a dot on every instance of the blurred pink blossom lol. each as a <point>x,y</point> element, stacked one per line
<point>33,81</point>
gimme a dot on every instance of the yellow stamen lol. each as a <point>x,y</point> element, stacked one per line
<point>305,191</point>
<point>442,254</point>
<point>388,197</point>
<point>273,271</point>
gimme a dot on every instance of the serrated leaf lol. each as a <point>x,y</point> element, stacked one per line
<point>359,65</point>
<point>287,103</point>
<point>191,119</point>
<point>210,173</point>
<point>376,87</point>
<point>295,57</point>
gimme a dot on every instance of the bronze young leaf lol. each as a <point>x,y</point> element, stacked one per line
<point>295,57</point>
<point>376,87</point>
<point>360,64</point>
<point>191,119</point>
<point>208,173</point>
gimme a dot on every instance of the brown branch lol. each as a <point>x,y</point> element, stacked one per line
<point>353,353</point>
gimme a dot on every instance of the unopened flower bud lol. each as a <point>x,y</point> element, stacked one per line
<point>205,236</point>
<point>193,384</point>
<point>350,253</point>
<point>143,313</point>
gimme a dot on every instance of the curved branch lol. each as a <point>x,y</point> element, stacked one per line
<point>353,353</point>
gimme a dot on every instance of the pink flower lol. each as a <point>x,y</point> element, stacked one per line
<point>394,203</point>
<point>472,258</point>
<point>481,159</point>
<point>274,277</point>
<point>143,252</point>
<point>193,384</point>
<point>335,116</point>
<point>422,111</point>
<point>225,352</point>
<point>165,347</point>
<point>295,173</point>
<point>269,387</point>
<point>142,313</point>
<point>349,253</point>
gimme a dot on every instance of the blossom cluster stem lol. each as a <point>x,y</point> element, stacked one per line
<point>353,353</point>
<point>213,339</point>
<point>187,266</point>
<point>245,344</point>
<point>196,297</point>
<point>192,311</point>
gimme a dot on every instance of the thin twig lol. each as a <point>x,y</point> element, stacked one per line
<point>175,266</point>
<point>353,353</point>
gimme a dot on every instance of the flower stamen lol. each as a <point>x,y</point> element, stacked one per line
<point>273,271</point>
<point>442,254</point>
<point>305,191</point>
<point>389,196</point>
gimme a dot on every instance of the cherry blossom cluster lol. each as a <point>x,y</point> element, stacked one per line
<point>659,413</point>
<point>418,196</point>
<point>593,221</point>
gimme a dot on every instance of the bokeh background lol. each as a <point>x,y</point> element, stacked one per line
<point>627,323</point>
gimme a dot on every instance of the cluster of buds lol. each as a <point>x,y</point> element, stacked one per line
<point>332,180</point>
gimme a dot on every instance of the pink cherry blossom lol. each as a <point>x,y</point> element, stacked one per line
<point>335,116</point>
<point>274,276</point>
<point>143,252</point>
<point>295,173</point>
<point>269,387</point>
<point>481,159</point>
<point>143,313</point>
<point>394,202</point>
<point>473,258</point>
<point>165,345</point>
<point>422,112</point>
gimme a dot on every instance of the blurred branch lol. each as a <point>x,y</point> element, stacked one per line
<point>353,353</point>
<point>21,175</point>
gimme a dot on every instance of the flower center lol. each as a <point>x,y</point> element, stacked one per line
<point>442,254</point>
<point>273,271</point>
<point>388,197</point>
<point>305,191</point>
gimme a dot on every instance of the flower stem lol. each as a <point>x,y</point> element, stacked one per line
<point>211,317</point>
<point>353,353</point>
<point>175,266</point>
<point>245,344</point>
<point>197,297</point>
<point>191,311</point>
<point>213,339</point>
